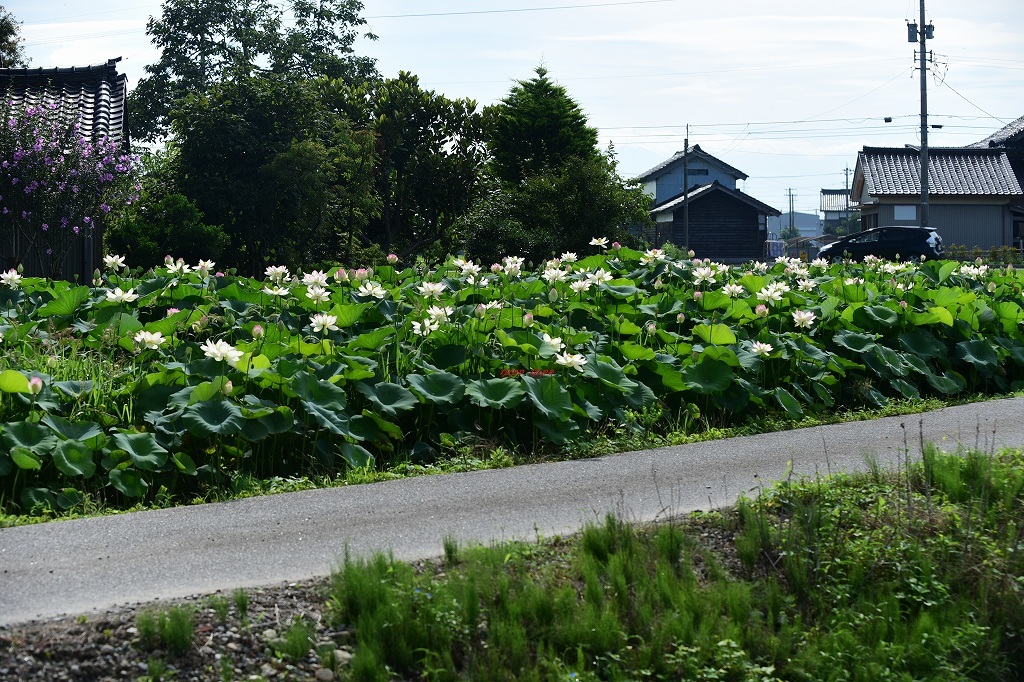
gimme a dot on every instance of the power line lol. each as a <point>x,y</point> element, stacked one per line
<point>517,10</point>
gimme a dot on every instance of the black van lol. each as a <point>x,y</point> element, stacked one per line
<point>887,242</point>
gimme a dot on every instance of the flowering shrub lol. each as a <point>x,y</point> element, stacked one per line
<point>310,372</point>
<point>55,184</point>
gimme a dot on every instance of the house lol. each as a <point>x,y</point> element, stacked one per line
<point>1010,139</point>
<point>835,207</point>
<point>712,217</point>
<point>98,94</point>
<point>973,198</point>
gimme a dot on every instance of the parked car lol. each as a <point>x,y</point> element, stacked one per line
<point>887,242</point>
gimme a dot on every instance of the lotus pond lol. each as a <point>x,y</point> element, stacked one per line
<point>169,382</point>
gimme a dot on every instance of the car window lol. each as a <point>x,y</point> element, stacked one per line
<point>865,238</point>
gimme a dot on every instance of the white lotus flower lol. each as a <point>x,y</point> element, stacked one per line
<point>113,262</point>
<point>323,322</point>
<point>803,318</point>
<point>571,360</point>
<point>762,349</point>
<point>276,291</point>
<point>431,289</point>
<point>440,314</point>
<point>205,267</point>
<point>599,241</point>
<point>179,267</point>
<point>317,293</point>
<point>600,276</point>
<point>220,350</point>
<point>371,288</point>
<point>276,273</point>
<point>652,256</point>
<point>118,296</point>
<point>732,290</point>
<point>569,257</point>
<point>11,278</point>
<point>555,342</point>
<point>805,285</point>
<point>581,285</point>
<point>702,275</point>
<point>552,275</point>
<point>152,340</point>
<point>315,278</point>
<point>425,327</point>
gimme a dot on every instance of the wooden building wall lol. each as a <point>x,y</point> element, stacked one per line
<point>721,229</point>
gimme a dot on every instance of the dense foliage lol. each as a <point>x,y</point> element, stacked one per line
<point>175,380</point>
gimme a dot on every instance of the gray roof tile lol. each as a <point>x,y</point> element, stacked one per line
<point>695,152</point>
<point>951,171</point>
<point>98,92</point>
<point>1005,134</point>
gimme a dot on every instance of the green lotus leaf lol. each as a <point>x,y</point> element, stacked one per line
<point>143,448</point>
<point>74,458</point>
<point>609,374</point>
<point>922,343</point>
<point>944,316</point>
<point>641,396</point>
<point>497,393</point>
<point>855,341</point>
<point>221,417</point>
<point>26,459</point>
<point>978,352</point>
<point>632,352</point>
<point>875,317</point>
<point>713,376</point>
<point>788,403</point>
<point>12,381</point>
<point>556,431</point>
<point>28,435</point>
<point>372,340</point>
<point>74,389</point>
<point>129,482</point>
<point>324,393</point>
<point>625,327</point>
<point>357,456</point>
<point>943,383</point>
<point>620,290</point>
<point>184,463</point>
<point>33,498</point>
<point>372,425</point>
<point>208,390</point>
<point>1010,315</point>
<point>69,497</point>
<point>548,396</point>
<point>906,389</point>
<point>66,303</point>
<point>1014,348</point>
<point>715,334</point>
<point>440,388</point>
<point>389,398</point>
<point>448,356</point>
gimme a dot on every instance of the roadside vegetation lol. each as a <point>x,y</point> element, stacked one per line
<point>184,384</point>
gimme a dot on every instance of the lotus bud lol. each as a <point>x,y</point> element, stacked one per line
<point>903,304</point>
<point>227,388</point>
<point>991,287</point>
<point>35,385</point>
<point>658,284</point>
<point>651,327</point>
<point>528,320</point>
<point>480,310</point>
<point>1009,268</point>
<point>698,295</point>
<point>761,310</point>
<point>341,275</point>
<point>553,295</point>
<point>691,253</point>
<point>923,258</point>
<point>978,261</point>
<point>172,311</point>
<point>616,246</point>
<point>168,260</point>
<point>51,361</point>
<point>392,258</point>
<point>21,269</point>
<point>258,332</point>
<point>680,318</point>
<point>495,268</point>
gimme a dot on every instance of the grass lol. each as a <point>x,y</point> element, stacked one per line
<point>910,575</point>
<point>172,629</point>
<point>651,429</point>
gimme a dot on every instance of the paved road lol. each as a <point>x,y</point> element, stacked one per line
<point>86,565</point>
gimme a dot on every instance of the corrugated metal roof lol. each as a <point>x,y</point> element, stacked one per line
<point>951,171</point>
<point>698,192</point>
<point>695,152</point>
<point>97,91</point>
<point>833,200</point>
<point>1002,136</point>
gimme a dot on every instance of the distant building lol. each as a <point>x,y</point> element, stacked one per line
<point>835,207</point>
<point>711,216</point>
<point>1010,140</point>
<point>808,224</point>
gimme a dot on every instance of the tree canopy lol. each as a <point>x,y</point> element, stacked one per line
<point>12,54</point>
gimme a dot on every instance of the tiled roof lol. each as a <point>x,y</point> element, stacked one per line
<point>833,200</point>
<point>698,192</point>
<point>97,91</point>
<point>951,171</point>
<point>695,152</point>
<point>1002,136</point>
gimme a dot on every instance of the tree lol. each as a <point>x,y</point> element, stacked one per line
<point>553,189</point>
<point>537,128</point>
<point>12,54</point>
<point>202,44</point>
<point>427,161</point>
<point>789,232</point>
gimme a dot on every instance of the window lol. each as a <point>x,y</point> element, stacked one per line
<point>904,213</point>
<point>697,171</point>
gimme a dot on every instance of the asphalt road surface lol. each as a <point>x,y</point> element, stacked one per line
<point>87,565</point>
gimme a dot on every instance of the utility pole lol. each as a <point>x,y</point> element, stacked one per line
<point>686,189</point>
<point>791,216</point>
<point>921,36</point>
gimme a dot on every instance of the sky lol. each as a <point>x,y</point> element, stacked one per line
<point>787,91</point>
